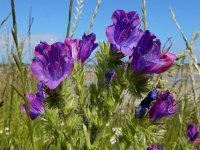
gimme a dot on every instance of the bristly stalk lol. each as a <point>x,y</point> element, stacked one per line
<point>2,23</point>
<point>30,23</point>
<point>144,17</point>
<point>192,58</point>
<point>10,113</point>
<point>69,17</point>
<point>79,10</point>
<point>18,61</point>
<point>14,30</point>
<point>94,16</point>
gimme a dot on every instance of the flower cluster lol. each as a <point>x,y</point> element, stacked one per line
<point>164,105</point>
<point>115,137</point>
<point>143,50</point>
<point>53,63</point>
<point>145,57</point>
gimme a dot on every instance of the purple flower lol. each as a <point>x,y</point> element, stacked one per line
<point>159,147</point>
<point>36,102</point>
<point>147,57</point>
<point>124,34</point>
<point>81,49</point>
<point>40,94</point>
<point>36,106</point>
<point>109,76</point>
<point>193,133</point>
<point>52,63</point>
<point>164,106</point>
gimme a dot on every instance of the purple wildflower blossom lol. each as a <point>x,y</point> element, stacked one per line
<point>164,106</point>
<point>159,147</point>
<point>36,102</point>
<point>124,34</point>
<point>147,57</point>
<point>52,63</point>
<point>193,133</point>
<point>81,49</point>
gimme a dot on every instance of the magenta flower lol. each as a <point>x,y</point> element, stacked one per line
<point>36,102</point>
<point>81,49</point>
<point>147,57</point>
<point>124,34</point>
<point>164,106</point>
<point>159,147</point>
<point>193,133</point>
<point>52,63</point>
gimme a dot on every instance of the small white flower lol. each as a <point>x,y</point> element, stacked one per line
<point>7,129</point>
<point>118,131</point>
<point>1,131</point>
<point>113,140</point>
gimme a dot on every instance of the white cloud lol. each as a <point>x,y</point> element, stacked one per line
<point>49,38</point>
<point>35,39</point>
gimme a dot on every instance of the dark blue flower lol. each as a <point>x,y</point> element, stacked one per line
<point>152,95</point>
<point>145,104</point>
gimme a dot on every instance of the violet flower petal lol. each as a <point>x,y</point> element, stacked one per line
<point>164,106</point>
<point>51,64</point>
<point>81,49</point>
<point>36,106</point>
<point>124,34</point>
<point>147,57</point>
<point>86,46</point>
<point>192,132</point>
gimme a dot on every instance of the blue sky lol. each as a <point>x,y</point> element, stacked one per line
<point>50,18</point>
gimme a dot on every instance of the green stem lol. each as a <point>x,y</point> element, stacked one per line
<point>94,16</point>
<point>144,18</point>
<point>18,62</point>
<point>69,17</point>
